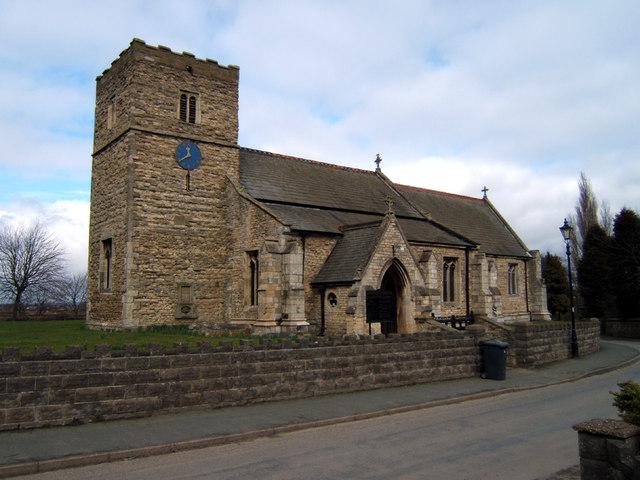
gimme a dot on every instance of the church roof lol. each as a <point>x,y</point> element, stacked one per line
<point>350,254</point>
<point>319,197</point>
<point>472,218</point>
<point>295,181</point>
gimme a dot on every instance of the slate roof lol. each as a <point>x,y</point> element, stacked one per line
<point>351,252</point>
<point>319,197</point>
<point>473,218</point>
<point>294,181</point>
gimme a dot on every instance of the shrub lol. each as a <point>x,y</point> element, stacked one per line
<point>628,401</point>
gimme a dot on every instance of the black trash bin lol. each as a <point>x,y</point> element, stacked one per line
<point>495,359</point>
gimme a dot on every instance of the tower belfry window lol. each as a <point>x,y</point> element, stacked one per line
<point>192,109</point>
<point>188,108</point>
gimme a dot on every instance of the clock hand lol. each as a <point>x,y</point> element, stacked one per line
<point>187,155</point>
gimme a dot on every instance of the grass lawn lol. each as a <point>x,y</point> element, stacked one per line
<point>57,334</point>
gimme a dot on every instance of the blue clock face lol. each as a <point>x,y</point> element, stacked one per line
<point>188,155</point>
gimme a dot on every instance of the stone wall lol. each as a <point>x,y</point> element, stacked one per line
<point>78,386</point>
<point>459,305</point>
<point>517,301</point>
<point>609,449</point>
<point>537,344</point>
<point>317,249</point>
<point>534,344</point>
<point>254,225</point>
<point>616,327</point>
<point>168,231</point>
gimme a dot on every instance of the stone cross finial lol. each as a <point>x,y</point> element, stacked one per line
<point>389,205</point>
<point>484,191</point>
<point>378,160</point>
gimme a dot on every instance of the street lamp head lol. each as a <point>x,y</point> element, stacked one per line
<point>566,230</point>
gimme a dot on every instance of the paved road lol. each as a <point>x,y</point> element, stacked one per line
<point>522,435</point>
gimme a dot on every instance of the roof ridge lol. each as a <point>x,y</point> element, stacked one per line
<point>438,192</point>
<point>312,162</point>
<point>360,226</point>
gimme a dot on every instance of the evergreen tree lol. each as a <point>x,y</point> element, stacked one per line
<point>625,258</point>
<point>594,273</point>
<point>555,277</point>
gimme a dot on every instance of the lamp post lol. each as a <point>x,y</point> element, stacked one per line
<point>566,230</point>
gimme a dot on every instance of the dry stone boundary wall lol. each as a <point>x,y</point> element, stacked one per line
<point>537,344</point>
<point>78,386</point>
<point>625,328</point>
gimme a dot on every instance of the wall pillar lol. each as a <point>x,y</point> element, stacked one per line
<point>293,304</point>
<point>537,288</point>
<point>480,301</point>
<point>609,449</point>
<point>281,298</point>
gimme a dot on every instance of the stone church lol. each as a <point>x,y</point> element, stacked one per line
<point>189,228</point>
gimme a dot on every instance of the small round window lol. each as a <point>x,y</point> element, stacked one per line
<point>332,299</point>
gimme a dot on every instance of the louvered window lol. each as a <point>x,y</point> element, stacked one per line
<point>188,107</point>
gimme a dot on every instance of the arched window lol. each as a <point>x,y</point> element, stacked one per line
<point>105,267</point>
<point>188,107</point>
<point>449,280</point>
<point>192,109</point>
<point>254,275</point>
<point>512,279</point>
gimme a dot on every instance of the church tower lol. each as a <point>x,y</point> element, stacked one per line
<point>165,144</point>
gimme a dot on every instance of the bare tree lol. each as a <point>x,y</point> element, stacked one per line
<point>586,210</point>
<point>30,258</point>
<point>73,291</point>
<point>606,217</point>
<point>40,298</point>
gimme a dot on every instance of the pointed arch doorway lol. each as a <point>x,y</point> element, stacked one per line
<point>389,289</point>
<point>390,309</point>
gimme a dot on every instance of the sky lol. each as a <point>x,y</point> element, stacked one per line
<point>520,97</point>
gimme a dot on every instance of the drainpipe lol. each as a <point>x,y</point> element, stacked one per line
<point>466,277</point>
<point>526,287</point>
<point>322,292</point>
<point>304,253</point>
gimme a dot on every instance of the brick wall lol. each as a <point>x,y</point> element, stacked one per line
<point>48,388</point>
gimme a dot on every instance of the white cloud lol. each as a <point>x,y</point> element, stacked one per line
<point>67,221</point>
<point>518,96</point>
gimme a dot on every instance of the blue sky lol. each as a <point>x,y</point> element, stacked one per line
<point>453,95</point>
